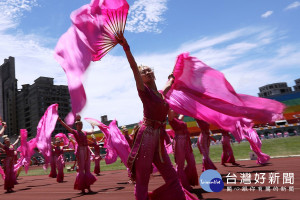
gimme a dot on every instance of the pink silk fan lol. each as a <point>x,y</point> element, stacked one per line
<point>113,27</point>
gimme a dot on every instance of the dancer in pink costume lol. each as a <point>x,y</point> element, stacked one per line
<point>203,144</point>
<point>56,156</point>
<point>96,146</point>
<point>149,146</point>
<point>58,152</point>
<point>84,178</point>
<point>73,146</point>
<point>183,151</point>
<point>227,154</point>
<point>10,176</point>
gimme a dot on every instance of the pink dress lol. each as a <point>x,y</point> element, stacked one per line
<point>60,163</point>
<point>53,173</point>
<point>84,178</point>
<point>183,152</point>
<point>97,158</point>
<point>203,144</point>
<point>10,177</point>
<point>149,148</point>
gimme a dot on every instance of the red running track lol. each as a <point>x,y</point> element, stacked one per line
<point>112,185</point>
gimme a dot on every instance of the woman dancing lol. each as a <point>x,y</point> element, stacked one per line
<point>183,151</point>
<point>96,146</point>
<point>10,176</point>
<point>203,145</point>
<point>58,152</point>
<point>149,146</point>
<point>84,178</point>
<point>53,173</point>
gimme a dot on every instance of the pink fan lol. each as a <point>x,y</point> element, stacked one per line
<point>114,21</point>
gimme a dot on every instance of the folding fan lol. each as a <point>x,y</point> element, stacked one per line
<point>114,21</point>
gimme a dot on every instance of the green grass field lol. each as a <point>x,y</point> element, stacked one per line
<point>273,147</point>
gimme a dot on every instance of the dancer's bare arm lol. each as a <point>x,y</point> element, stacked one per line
<point>17,140</point>
<point>132,63</point>
<point>65,125</point>
<point>2,129</point>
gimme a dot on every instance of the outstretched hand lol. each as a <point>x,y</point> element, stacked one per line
<point>121,39</point>
<point>123,42</point>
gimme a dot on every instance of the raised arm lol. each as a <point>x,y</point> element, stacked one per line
<point>2,129</point>
<point>17,140</point>
<point>169,84</point>
<point>65,125</point>
<point>132,63</point>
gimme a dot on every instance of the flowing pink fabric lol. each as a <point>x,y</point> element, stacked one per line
<point>24,146</point>
<point>26,150</point>
<point>115,142</point>
<point>111,154</point>
<point>252,134</point>
<point>44,130</point>
<point>119,142</point>
<point>23,149</point>
<point>63,137</point>
<point>255,143</point>
<point>2,173</point>
<point>202,92</point>
<point>79,46</point>
<point>19,164</point>
<point>31,146</point>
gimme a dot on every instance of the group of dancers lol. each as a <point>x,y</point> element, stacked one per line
<point>146,151</point>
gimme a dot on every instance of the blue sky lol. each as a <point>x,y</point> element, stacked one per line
<point>253,42</point>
